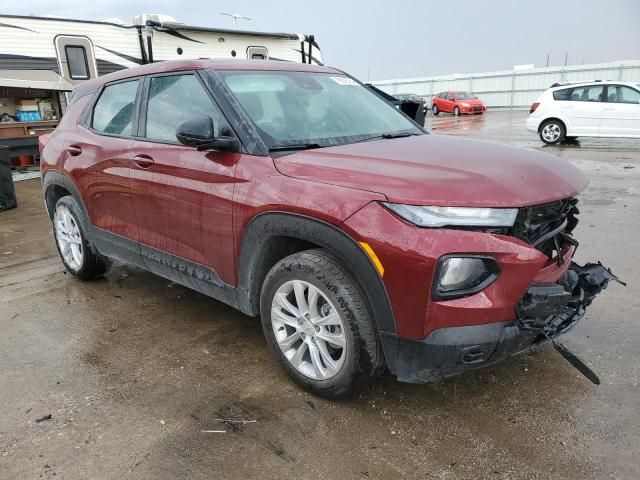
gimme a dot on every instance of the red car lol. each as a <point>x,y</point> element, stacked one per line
<point>363,242</point>
<point>458,103</point>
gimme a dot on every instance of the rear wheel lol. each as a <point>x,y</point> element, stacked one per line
<point>76,251</point>
<point>317,325</point>
<point>552,131</point>
<point>435,109</point>
<point>456,111</point>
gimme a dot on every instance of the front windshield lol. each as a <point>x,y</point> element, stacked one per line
<point>290,108</point>
<point>464,96</point>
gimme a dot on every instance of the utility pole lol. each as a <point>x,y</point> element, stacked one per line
<point>236,17</point>
<point>566,57</point>
<point>547,59</point>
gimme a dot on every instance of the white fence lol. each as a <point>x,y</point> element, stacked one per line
<point>517,88</point>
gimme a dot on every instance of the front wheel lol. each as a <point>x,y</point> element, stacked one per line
<point>317,324</point>
<point>435,110</point>
<point>456,111</point>
<point>552,132</point>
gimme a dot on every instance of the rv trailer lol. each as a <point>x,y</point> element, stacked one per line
<point>42,58</point>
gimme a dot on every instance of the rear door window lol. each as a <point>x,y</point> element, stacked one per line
<point>172,100</point>
<point>114,111</point>
<point>589,93</point>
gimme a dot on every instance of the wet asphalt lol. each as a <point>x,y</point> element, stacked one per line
<point>136,371</point>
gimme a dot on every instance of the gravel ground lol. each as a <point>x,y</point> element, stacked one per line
<point>133,370</point>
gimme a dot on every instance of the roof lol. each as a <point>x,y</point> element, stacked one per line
<point>191,28</point>
<point>218,64</point>
<point>168,26</point>
<point>594,82</point>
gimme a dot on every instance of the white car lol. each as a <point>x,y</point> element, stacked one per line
<point>593,109</point>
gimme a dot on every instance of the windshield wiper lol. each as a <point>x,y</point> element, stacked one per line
<point>294,146</point>
<point>389,135</point>
<point>397,135</point>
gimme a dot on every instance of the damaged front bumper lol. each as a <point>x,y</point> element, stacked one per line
<point>545,311</point>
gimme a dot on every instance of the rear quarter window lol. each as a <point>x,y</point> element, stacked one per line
<point>564,94</point>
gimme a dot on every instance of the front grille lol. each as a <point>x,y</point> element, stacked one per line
<point>477,109</point>
<point>547,227</point>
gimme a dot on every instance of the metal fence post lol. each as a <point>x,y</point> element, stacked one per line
<point>513,88</point>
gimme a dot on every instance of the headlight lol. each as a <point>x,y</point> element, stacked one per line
<point>455,216</point>
<point>463,275</point>
<point>465,104</point>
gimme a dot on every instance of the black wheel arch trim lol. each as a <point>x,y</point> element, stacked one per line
<point>258,238</point>
<point>547,120</point>
<point>54,178</point>
<point>266,227</point>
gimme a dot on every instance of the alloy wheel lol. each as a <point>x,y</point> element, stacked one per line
<point>69,238</point>
<point>309,330</point>
<point>551,132</point>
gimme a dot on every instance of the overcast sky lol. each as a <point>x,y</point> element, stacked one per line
<point>386,39</point>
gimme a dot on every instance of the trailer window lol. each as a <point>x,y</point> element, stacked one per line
<point>77,62</point>
<point>114,109</point>
<point>257,53</point>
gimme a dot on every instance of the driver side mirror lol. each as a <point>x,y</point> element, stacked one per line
<point>199,132</point>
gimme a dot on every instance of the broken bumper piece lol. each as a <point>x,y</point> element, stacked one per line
<point>545,311</point>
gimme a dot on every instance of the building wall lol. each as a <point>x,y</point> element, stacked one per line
<point>512,88</point>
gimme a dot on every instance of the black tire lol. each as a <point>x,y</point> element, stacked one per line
<point>93,264</point>
<point>571,139</point>
<point>456,111</point>
<point>364,358</point>
<point>435,110</point>
<point>555,126</point>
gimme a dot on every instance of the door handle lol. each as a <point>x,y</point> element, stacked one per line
<point>609,109</point>
<point>143,161</point>
<point>74,150</point>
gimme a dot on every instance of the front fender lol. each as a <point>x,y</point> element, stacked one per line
<point>265,232</point>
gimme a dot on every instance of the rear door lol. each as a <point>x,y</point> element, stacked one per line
<point>181,196</point>
<point>447,103</point>
<point>583,108</point>
<point>622,111</point>
<point>100,150</point>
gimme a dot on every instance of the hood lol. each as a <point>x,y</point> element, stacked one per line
<point>440,170</point>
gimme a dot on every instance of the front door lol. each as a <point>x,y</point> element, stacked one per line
<point>622,111</point>
<point>584,108</point>
<point>181,196</point>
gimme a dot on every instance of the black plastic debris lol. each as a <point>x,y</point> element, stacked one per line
<point>7,191</point>
<point>43,418</point>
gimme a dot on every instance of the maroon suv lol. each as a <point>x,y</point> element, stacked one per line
<point>293,192</point>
